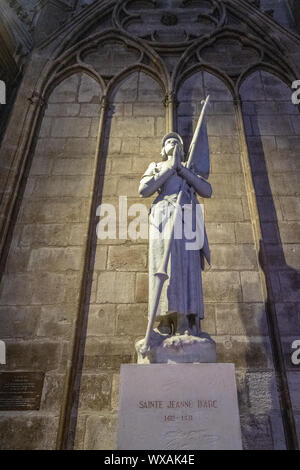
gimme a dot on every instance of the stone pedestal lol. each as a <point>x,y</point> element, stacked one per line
<point>178,406</point>
<point>177,349</point>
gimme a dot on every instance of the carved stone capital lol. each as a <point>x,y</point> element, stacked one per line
<point>170,98</point>
<point>36,99</point>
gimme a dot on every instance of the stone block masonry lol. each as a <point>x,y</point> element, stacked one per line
<point>40,287</point>
<point>42,278</point>
<point>134,135</point>
<point>234,303</point>
<point>272,136</point>
<point>43,272</point>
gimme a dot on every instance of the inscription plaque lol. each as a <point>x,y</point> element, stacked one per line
<point>21,391</point>
<point>178,406</point>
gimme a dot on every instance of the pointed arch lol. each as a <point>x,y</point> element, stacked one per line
<point>267,57</point>
<point>215,71</point>
<point>281,73</point>
<point>58,78</point>
<point>149,61</point>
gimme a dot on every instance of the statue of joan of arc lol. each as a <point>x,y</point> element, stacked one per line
<point>175,260</point>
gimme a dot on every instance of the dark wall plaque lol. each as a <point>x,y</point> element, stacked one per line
<point>21,391</point>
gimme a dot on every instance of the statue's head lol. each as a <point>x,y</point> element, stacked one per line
<point>168,143</point>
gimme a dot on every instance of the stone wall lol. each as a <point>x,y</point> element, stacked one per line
<point>53,229</point>
<point>272,126</point>
<point>41,284</point>
<point>280,11</point>
<point>118,304</point>
<point>234,302</point>
<point>296,12</point>
<point>42,278</point>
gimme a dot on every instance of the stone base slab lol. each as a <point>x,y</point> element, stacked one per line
<point>177,349</point>
<point>178,406</point>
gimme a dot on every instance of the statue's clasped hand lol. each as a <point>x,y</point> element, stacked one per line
<point>176,159</point>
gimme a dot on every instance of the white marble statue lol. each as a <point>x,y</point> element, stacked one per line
<point>178,243</point>
<point>181,301</point>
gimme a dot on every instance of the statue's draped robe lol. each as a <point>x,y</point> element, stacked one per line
<point>182,292</point>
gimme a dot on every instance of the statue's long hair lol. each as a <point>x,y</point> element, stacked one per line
<point>165,156</point>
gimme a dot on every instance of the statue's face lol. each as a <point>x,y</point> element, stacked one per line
<point>170,144</point>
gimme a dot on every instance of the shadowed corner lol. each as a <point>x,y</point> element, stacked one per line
<point>282,280</point>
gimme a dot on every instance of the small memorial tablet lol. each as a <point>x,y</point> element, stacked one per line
<point>21,391</point>
<point>178,406</point>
